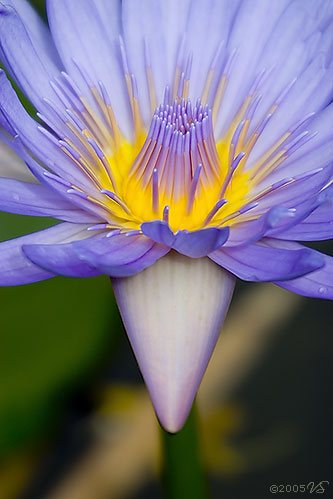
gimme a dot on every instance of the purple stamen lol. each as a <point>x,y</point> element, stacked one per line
<point>155,191</point>
<point>132,233</point>
<point>112,233</point>
<point>116,199</point>
<point>84,75</point>
<point>257,81</point>
<point>247,208</point>
<point>308,174</point>
<point>300,141</point>
<point>175,145</point>
<point>234,140</point>
<point>180,89</point>
<point>123,55</point>
<point>96,148</point>
<point>230,173</point>
<point>50,124</point>
<point>218,55</point>
<point>71,82</point>
<point>216,208</point>
<point>193,188</point>
<point>134,87</point>
<point>166,214</point>
<point>80,194</point>
<point>70,149</point>
<point>60,180</point>
<point>49,135</point>
<point>263,124</point>
<point>98,227</point>
<point>188,66</point>
<point>166,97</point>
<point>285,91</point>
<point>301,122</point>
<point>281,183</point>
<point>60,94</point>
<point>75,120</point>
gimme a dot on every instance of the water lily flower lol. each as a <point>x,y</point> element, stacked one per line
<point>182,145</point>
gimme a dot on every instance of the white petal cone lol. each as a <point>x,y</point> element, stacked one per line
<point>173,312</point>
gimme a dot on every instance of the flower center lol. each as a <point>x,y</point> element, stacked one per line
<point>176,172</point>
<point>178,175</point>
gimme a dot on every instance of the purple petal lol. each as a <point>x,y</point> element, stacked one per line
<point>120,255</point>
<point>312,92</point>
<point>317,284</point>
<point>27,129</point>
<point>86,35</point>
<point>16,269</point>
<point>159,232</point>
<point>145,44</point>
<point>276,34</point>
<point>30,65</point>
<point>303,188</point>
<point>315,153</point>
<point>253,230</point>
<point>60,259</point>
<point>318,225</point>
<point>258,262</point>
<point>213,18</point>
<point>193,244</point>
<point>201,242</point>
<point>37,29</point>
<point>35,199</point>
<point>92,211</point>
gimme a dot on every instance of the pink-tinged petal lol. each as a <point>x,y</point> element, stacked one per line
<point>16,269</point>
<point>260,262</point>
<point>173,312</point>
<point>35,199</point>
<point>12,166</point>
<point>119,255</point>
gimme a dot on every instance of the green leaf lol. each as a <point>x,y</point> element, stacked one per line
<point>54,336</point>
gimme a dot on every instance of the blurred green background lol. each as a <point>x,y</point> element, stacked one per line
<point>68,381</point>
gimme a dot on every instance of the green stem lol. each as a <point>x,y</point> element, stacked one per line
<point>183,475</point>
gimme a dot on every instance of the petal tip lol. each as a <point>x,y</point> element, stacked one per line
<point>173,312</point>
